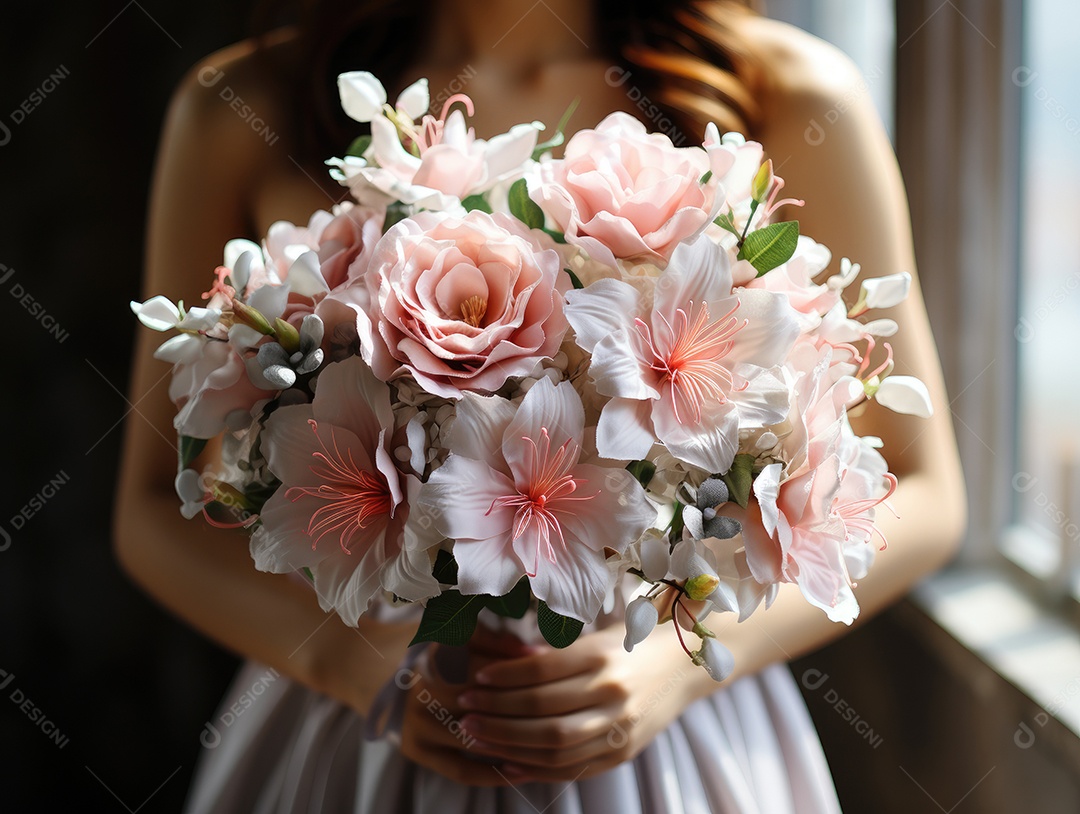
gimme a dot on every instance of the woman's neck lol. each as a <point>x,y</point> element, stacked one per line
<point>517,35</point>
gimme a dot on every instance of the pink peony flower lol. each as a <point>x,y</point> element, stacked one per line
<point>459,303</point>
<point>516,501</point>
<point>692,367</point>
<point>621,192</point>
<point>343,507</point>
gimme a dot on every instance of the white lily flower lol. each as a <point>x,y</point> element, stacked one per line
<point>905,394</point>
<point>641,618</point>
<point>362,95</point>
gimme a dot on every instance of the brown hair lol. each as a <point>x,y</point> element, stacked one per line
<point>684,56</point>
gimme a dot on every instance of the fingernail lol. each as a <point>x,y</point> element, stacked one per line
<point>470,725</point>
<point>467,699</point>
<point>483,677</point>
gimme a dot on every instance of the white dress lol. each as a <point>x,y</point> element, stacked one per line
<point>749,748</point>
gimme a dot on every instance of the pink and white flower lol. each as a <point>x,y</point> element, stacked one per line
<point>449,163</point>
<point>517,501</point>
<point>622,193</point>
<point>344,507</point>
<point>811,523</point>
<point>459,303</point>
<point>692,367</point>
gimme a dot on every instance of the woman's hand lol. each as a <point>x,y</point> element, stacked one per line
<point>432,733</point>
<point>564,715</point>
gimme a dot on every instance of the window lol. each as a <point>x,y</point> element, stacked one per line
<point>1045,534</point>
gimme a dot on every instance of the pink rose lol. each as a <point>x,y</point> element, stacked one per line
<point>460,303</point>
<point>621,192</point>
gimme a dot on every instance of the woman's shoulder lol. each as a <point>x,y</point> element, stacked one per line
<point>237,91</point>
<point>795,62</point>
<point>811,89</point>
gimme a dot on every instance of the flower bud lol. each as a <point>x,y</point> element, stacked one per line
<point>641,618</point>
<point>287,335</point>
<point>715,658</point>
<point>251,317</point>
<point>701,586</point>
<point>763,181</point>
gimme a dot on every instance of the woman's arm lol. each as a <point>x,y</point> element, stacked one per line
<point>205,177</point>
<point>857,207</point>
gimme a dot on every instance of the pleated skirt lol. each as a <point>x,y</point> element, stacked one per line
<point>749,748</point>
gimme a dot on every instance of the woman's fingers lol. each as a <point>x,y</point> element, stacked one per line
<point>577,755</point>
<point>499,644</point>
<point>560,697</point>
<point>543,734</point>
<point>539,668</point>
<point>460,767</point>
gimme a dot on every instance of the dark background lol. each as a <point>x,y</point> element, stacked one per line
<point>128,687</point>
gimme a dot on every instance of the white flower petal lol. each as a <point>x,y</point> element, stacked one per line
<point>905,394</point>
<point>415,99</point>
<point>885,292</point>
<point>362,95</point>
<point>157,313</point>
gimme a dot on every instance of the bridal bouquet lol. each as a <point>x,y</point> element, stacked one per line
<point>501,380</point>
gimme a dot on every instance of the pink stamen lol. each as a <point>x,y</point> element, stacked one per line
<point>431,129</point>
<point>692,364</point>
<point>550,482</point>
<point>854,517</point>
<point>772,204</point>
<point>884,365</point>
<point>355,497</point>
<point>220,286</point>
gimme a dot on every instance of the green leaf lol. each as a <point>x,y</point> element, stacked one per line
<point>445,571</point>
<point>449,618</point>
<point>705,178</point>
<point>476,202</point>
<point>515,603</point>
<point>395,213</point>
<point>739,478</point>
<point>189,449</point>
<point>524,208</point>
<point>574,281</point>
<point>558,630</point>
<point>770,247</point>
<point>558,237</point>
<point>359,146</point>
<point>642,470</point>
<point>676,523</point>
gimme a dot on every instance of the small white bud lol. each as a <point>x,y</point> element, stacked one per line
<point>715,658</point>
<point>641,618</point>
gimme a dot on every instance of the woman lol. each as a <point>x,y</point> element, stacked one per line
<point>627,732</point>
